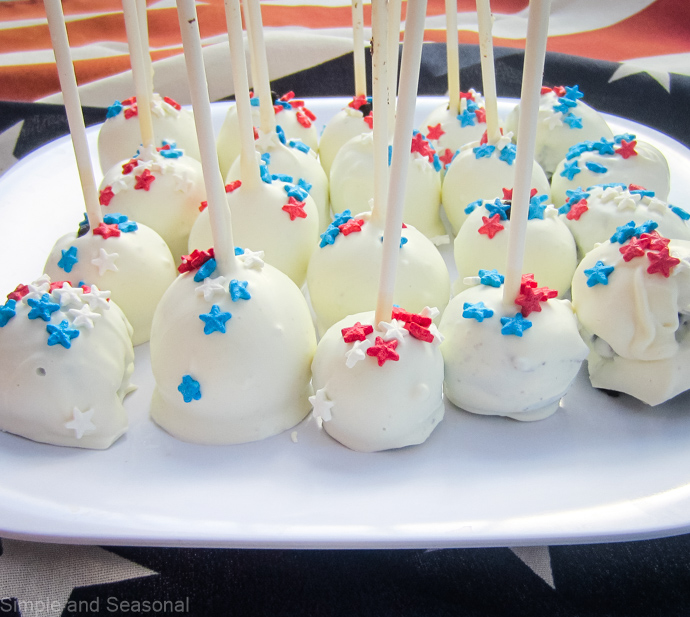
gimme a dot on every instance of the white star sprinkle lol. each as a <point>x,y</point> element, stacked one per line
<point>554,120</point>
<point>356,354</point>
<point>97,299</point>
<point>68,295</point>
<point>252,259</point>
<point>147,154</point>
<point>37,288</point>
<point>81,422</point>
<point>430,311</point>
<point>438,337</point>
<point>210,287</point>
<point>392,330</point>
<point>504,140</point>
<point>266,141</point>
<point>626,203</point>
<point>656,205</point>
<point>609,193</point>
<point>321,406</point>
<point>183,182</point>
<point>105,261</point>
<point>123,183</point>
<point>83,317</point>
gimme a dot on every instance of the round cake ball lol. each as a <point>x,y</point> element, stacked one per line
<point>130,260</point>
<point>480,171</point>
<point>632,297</point>
<point>277,217</point>
<point>162,190</point>
<point>295,159</point>
<point>623,159</point>
<point>65,361</point>
<point>343,273</point>
<point>352,182</point>
<point>231,356</point>
<point>354,119</point>
<point>120,136</point>
<point>482,242</point>
<point>292,116</point>
<point>377,389</point>
<point>563,121</point>
<point>449,130</point>
<point>593,215</point>
<point>516,362</point>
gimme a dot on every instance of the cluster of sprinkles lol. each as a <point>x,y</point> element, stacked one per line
<point>621,145</point>
<point>505,148</point>
<point>343,223</point>
<point>422,147</point>
<point>288,101</point>
<point>159,107</point>
<point>636,241</point>
<point>362,105</point>
<point>563,109</point>
<point>529,299</point>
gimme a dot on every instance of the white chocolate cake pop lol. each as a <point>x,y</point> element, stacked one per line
<point>162,190</point>
<point>593,215</point>
<point>120,136</point>
<point>130,260</point>
<point>564,120</point>
<point>352,182</point>
<point>480,171</point>
<point>65,362</point>
<point>623,159</point>
<point>515,362</point>
<point>379,389</point>
<point>482,242</point>
<point>231,357</point>
<point>632,297</point>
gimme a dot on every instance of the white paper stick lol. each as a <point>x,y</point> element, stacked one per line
<point>262,86</point>
<point>252,59</point>
<point>533,71</point>
<point>394,8</point>
<point>249,166</point>
<point>358,47</point>
<point>144,34</point>
<point>486,50</point>
<point>452,56</point>
<point>75,117</point>
<point>379,41</point>
<point>219,212</point>
<point>402,142</point>
<point>141,87</point>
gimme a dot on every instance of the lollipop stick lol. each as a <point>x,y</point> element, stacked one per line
<point>486,49</point>
<point>252,59</point>
<point>535,53</point>
<point>144,34</point>
<point>219,212</point>
<point>358,47</point>
<point>402,141</point>
<point>75,118</point>
<point>452,56</point>
<point>263,85</point>
<point>394,7</point>
<point>379,44</point>
<point>141,86</point>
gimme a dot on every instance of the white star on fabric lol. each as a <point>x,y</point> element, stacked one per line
<point>105,261</point>
<point>321,406</point>
<point>633,68</point>
<point>252,259</point>
<point>37,288</point>
<point>83,317</point>
<point>356,353</point>
<point>392,330</point>
<point>97,299</point>
<point>81,422</point>
<point>537,559</point>
<point>68,295</point>
<point>210,287</point>
<point>32,572</point>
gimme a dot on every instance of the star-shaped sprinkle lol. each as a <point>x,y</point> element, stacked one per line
<point>206,270</point>
<point>599,274</point>
<point>358,332</point>
<point>107,231</point>
<point>596,168</point>
<point>623,233</point>
<point>329,236</point>
<point>42,308</point>
<point>295,209</point>
<point>491,226</point>
<point>573,93</point>
<point>383,351</point>
<point>83,317</point>
<point>570,170</point>
<point>491,278</point>
<point>351,226</point>
<point>105,196</point>
<point>498,207</point>
<point>68,259</point>
<point>238,290</point>
<point>467,118</point>
<point>395,330</point>
<point>97,298</point>
<point>190,389</point>
<point>321,406</point>
<point>114,110</point>
<point>537,207</point>
<point>144,180</point>
<point>38,287</point>
<point>435,132</point>
<point>515,325</point>
<point>61,334</point>
<point>105,261</point>
<point>419,332</point>
<point>661,262</point>
<point>483,151</point>
<point>19,292</point>
<point>214,320</point>
<point>447,157</point>
<point>577,210</point>
<point>627,148</point>
<point>252,259</point>
<point>508,154</point>
<point>7,311</point>
<point>129,166</point>
<point>529,300</point>
<point>683,214</point>
<point>477,310</point>
<point>81,422</point>
<point>646,227</point>
<point>603,146</point>
<point>573,121</point>
<point>211,287</point>
<point>636,247</point>
<point>356,353</point>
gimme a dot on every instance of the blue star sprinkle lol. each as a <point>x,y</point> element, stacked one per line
<point>42,308</point>
<point>282,177</point>
<point>173,152</point>
<point>498,207</point>
<point>114,110</point>
<point>341,218</point>
<point>599,274</point>
<point>214,321</point>
<point>537,206</point>
<point>239,251</point>
<point>573,121</point>
<point>471,105</point>
<point>189,387</point>
<point>128,227</point>
<point>302,183</point>
<point>281,135</point>
<point>7,311</point>
<point>641,192</point>
<point>576,195</point>
<point>296,191</point>
<point>645,228</point>
<point>577,150</point>
<point>299,145</point>
<point>564,105</point>
<point>484,151</point>
<point>508,154</point>
<point>478,311</point>
<point>62,334</point>
<point>491,278</point>
<point>570,170</point>
<point>604,146</point>
<point>238,290</point>
<point>68,259</point>
<point>206,270</point>
<point>329,236</point>
<point>623,233</point>
<point>680,212</point>
<point>515,325</point>
<point>467,118</point>
<point>473,206</point>
<point>624,137</point>
<point>573,93</point>
<point>114,219</point>
<point>254,101</point>
<point>595,167</point>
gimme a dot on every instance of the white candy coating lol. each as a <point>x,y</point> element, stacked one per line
<point>120,137</point>
<point>637,324</point>
<point>469,178</point>
<point>352,185</point>
<point>254,379</point>
<point>343,277</point>
<point>368,407</point>
<point>169,206</point>
<point>66,396</point>
<point>558,130</point>
<point>136,267</point>
<point>490,373</point>
<point>342,127</point>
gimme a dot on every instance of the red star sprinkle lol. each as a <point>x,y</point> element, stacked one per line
<point>383,350</point>
<point>559,90</point>
<point>303,119</point>
<point>491,225</point>
<point>172,102</point>
<point>107,231</point>
<point>256,133</point>
<point>545,89</point>
<point>309,113</point>
<point>105,196</point>
<point>419,332</point>
<point>203,206</point>
<point>165,147</point>
<point>130,101</point>
<point>19,292</point>
<point>277,109</point>
<point>369,120</point>
<point>130,112</point>
<point>295,209</point>
<point>351,226</point>
<point>656,241</point>
<point>87,290</point>
<point>403,315</point>
<point>288,96</point>
<point>547,293</point>
<point>129,166</point>
<point>636,247</point>
<point>481,115</point>
<point>467,95</point>
<point>233,186</point>
<point>357,102</point>
<point>508,194</point>
<point>420,145</point>
<point>530,300</point>
<point>627,149</point>
<point>358,332</point>
<point>144,180</point>
<point>662,262</point>
<point>527,280</point>
<point>194,260</point>
<point>57,285</point>
<point>446,157</point>
<point>577,210</point>
<point>636,187</point>
<point>485,137</point>
<point>435,132</point>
